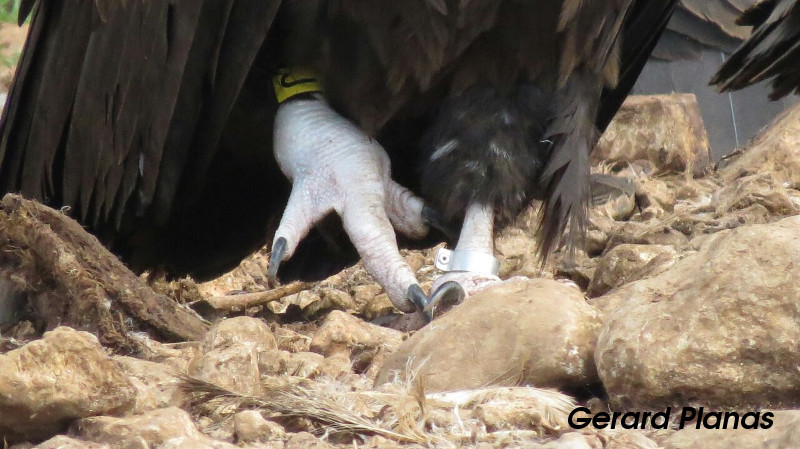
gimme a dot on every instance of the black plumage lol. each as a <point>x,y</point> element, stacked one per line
<point>153,120</point>
<point>487,148</point>
<point>771,53</point>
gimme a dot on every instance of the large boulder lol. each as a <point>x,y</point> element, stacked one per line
<point>538,332</point>
<point>720,328</point>
<point>775,150</point>
<point>48,383</point>
<point>666,130</point>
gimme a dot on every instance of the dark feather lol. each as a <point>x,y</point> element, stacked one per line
<point>25,8</point>
<point>643,27</point>
<point>605,186</point>
<point>102,86</point>
<point>487,147</point>
<point>771,53</point>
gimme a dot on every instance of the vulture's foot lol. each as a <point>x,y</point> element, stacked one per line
<point>335,167</point>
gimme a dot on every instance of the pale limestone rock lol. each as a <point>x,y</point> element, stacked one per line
<point>538,332</point>
<point>666,130</point>
<point>49,382</point>
<point>250,332</point>
<point>234,368</point>
<point>156,384</point>
<point>273,362</point>
<point>596,241</point>
<point>655,198</point>
<point>330,299</point>
<point>363,294</point>
<point>230,353</point>
<point>344,333</point>
<point>776,150</point>
<point>623,264</point>
<point>164,428</point>
<point>251,427</point>
<point>335,366</point>
<point>759,189</point>
<point>720,328</point>
<point>304,364</point>
<point>784,434</point>
<point>657,193</point>
<point>289,340</point>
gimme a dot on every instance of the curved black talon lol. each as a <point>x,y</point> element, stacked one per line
<point>418,297</point>
<point>449,293</point>
<point>275,257</point>
<point>436,220</point>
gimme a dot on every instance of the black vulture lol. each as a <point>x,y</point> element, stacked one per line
<point>771,53</point>
<point>170,127</point>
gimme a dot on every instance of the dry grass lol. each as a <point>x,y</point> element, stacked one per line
<point>336,412</point>
<point>400,411</point>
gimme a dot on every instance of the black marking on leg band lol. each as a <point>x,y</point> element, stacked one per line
<point>293,82</point>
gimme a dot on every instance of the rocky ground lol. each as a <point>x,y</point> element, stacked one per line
<point>686,295</point>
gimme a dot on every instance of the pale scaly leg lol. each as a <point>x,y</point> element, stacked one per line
<point>334,166</point>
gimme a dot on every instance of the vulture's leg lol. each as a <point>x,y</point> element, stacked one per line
<point>472,264</point>
<point>334,166</point>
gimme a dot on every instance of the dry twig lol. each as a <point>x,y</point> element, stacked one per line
<point>240,302</point>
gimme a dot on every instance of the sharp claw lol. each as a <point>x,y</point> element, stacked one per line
<point>436,220</point>
<point>278,250</point>
<point>448,293</point>
<point>417,296</point>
